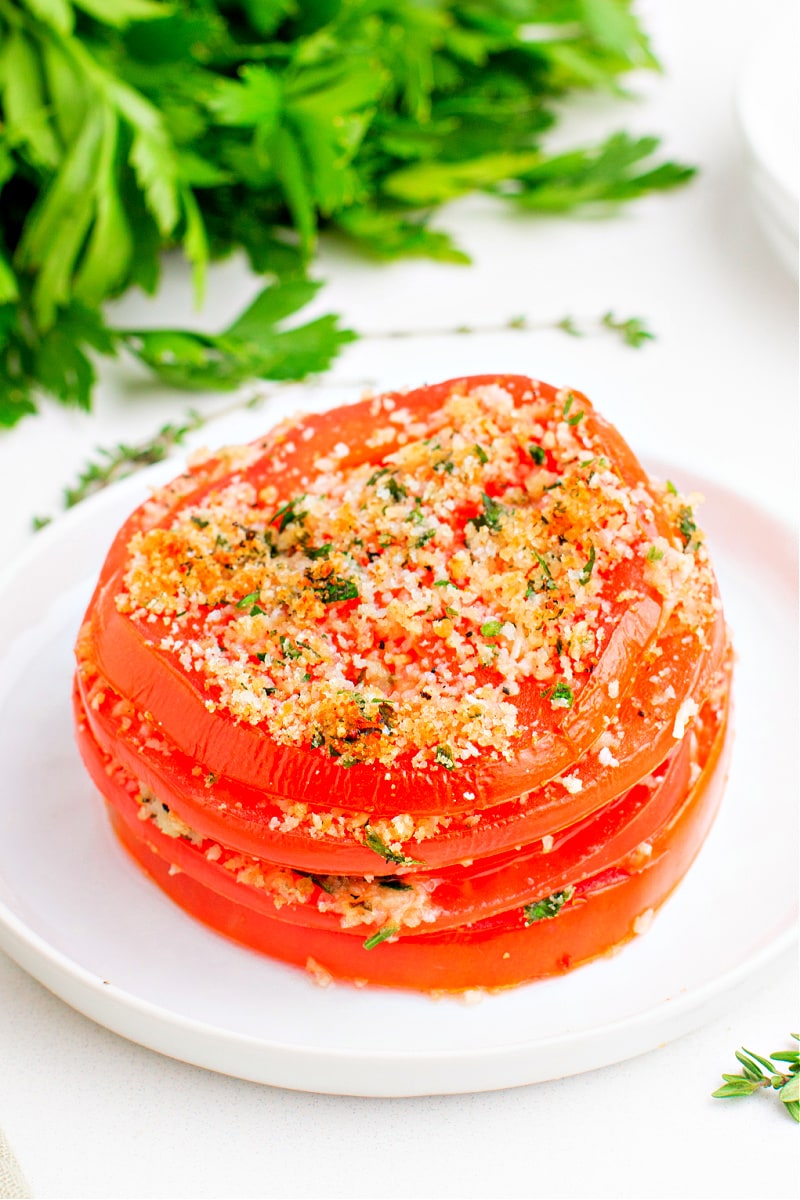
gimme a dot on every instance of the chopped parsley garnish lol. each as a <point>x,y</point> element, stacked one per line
<point>538,454</point>
<point>383,935</point>
<point>548,907</point>
<point>673,491</point>
<point>561,696</point>
<point>492,515</point>
<point>443,755</point>
<point>548,584</point>
<point>654,554</point>
<point>315,552</point>
<point>586,573</point>
<point>445,583</point>
<point>491,628</point>
<point>573,420</point>
<point>395,884</point>
<point>424,538</point>
<point>568,403</point>
<point>287,514</point>
<point>288,649</point>
<point>373,841</point>
<point>686,525</point>
<point>199,522</point>
<point>335,588</point>
<point>483,457</point>
<point>251,598</point>
<point>395,489</point>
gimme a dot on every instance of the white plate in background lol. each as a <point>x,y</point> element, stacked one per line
<point>768,107</point>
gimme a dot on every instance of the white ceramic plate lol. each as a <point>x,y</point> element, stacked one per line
<point>80,917</point>
<point>767,105</point>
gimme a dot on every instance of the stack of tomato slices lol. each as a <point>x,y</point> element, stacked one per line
<point>454,873</point>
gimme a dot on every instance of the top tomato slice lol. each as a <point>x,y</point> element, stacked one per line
<point>135,652</point>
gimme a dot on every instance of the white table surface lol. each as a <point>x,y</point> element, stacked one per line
<point>90,1114</point>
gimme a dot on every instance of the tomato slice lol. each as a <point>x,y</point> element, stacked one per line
<point>502,951</point>
<point>132,655</point>
<point>252,821</point>
<point>468,892</point>
<point>270,713</point>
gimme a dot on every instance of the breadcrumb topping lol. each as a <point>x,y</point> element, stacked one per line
<point>357,900</point>
<point>396,606</point>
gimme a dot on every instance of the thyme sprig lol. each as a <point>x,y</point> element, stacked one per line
<point>760,1073</point>
<point>121,460</point>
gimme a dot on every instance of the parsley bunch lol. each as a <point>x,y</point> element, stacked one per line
<point>128,127</point>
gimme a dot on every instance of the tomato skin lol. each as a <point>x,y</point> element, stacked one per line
<point>155,682</point>
<point>463,893</point>
<point>239,816</point>
<point>497,953</point>
<point>131,660</point>
<point>234,784</point>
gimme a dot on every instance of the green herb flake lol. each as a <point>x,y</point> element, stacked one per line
<point>586,573</point>
<point>444,756</point>
<point>561,696</point>
<point>483,457</point>
<point>335,588</point>
<point>654,554</point>
<point>549,907</point>
<point>315,552</point>
<point>576,418</point>
<point>538,454</point>
<point>568,404</point>
<point>249,599</point>
<point>383,935</point>
<point>686,525</point>
<point>395,489</point>
<point>287,514</point>
<point>492,516</point>
<point>374,842</point>
<point>199,522</point>
<point>492,629</point>
<point>288,649</point>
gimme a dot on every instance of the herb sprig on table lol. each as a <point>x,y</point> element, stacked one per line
<point>131,127</point>
<point>780,1072</point>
